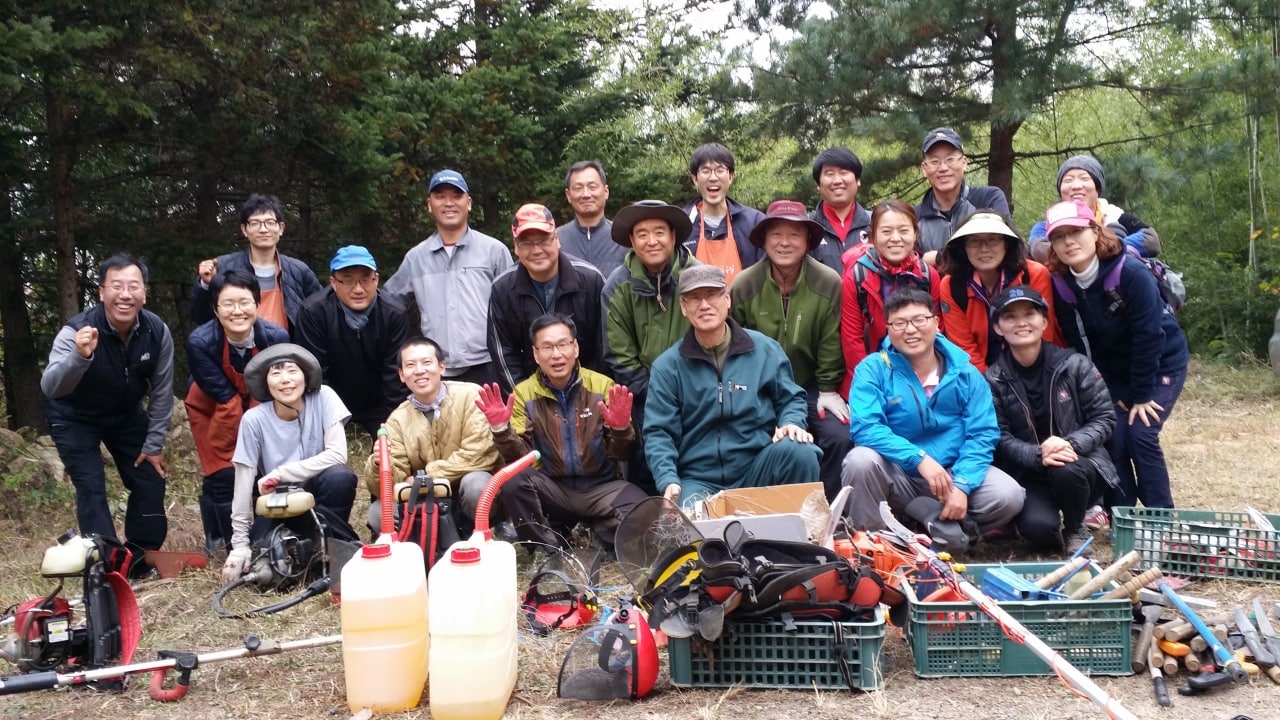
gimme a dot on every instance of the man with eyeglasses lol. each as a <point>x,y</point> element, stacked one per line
<point>103,362</point>
<point>285,282</point>
<point>721,225</point>
<point>355,330</point>
<point>924,430</point>
<point>580,421</point>
<point>949,199</point>
<point>449,276</point>
<point>723,410</point>
<point>587,235</point>
<point>838,174</point>
<point>546,279</point>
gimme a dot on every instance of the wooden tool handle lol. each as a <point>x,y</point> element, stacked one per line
<point>1184,631</point>
<point>1100,580</point>
<point>1067,568</point>
<point>1192,662</point>
<point>1142,650</point>
<point>1133,586</point>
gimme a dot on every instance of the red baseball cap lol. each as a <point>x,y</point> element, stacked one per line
<point>532,216</point>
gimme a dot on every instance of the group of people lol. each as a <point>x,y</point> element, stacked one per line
<point>915,354</point>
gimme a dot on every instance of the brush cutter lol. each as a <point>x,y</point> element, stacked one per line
<point>1077,681</point>
<point>305,543</point>
<point>45,634</point>
<point>183,662</point>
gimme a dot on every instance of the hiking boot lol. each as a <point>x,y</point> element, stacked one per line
<point>1096,518</point>
<point>1077,539</point>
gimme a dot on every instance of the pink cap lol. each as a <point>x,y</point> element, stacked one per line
<point>1072,213</point>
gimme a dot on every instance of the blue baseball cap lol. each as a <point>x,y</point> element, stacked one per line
<point>448,177</point>
<point>352,256</point>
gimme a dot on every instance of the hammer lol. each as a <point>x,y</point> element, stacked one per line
<point>1141,651</point>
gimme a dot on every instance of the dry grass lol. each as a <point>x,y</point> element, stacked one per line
<point>1224,451</point>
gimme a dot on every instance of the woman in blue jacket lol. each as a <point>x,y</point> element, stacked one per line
<point>1110,308</point>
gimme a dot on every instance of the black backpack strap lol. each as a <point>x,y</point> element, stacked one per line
<point>839,649</point>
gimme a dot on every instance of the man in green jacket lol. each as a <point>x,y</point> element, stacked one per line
<point>723,410</point>
<point>795,299</point>
<point>642,317</point>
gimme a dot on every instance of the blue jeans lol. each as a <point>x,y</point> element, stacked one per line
<point>1136,451</point>
<point>145,524</point>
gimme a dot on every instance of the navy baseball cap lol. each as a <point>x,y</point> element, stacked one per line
<point>448,177</point>
<point>941,134</point>
<point>1016,294</point>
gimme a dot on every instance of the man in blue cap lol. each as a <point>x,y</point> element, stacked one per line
<point>450,276</point>
<point>355,331</point>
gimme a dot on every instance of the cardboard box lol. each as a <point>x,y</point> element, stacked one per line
<point>759,501</point>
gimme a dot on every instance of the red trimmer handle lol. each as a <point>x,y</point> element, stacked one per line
<point>158,692</point>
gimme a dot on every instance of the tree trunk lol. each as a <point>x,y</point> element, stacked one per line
<point>59,119</point>
<point>1000,156</point>
<point>21,362</point>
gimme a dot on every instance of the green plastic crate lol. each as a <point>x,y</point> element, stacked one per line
<point>767,655</point>
<point>956,639</point>
<point>1199,543</point>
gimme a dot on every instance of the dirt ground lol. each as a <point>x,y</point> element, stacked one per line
<point>1223,446</point>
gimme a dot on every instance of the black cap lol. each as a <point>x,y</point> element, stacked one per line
<point>942,134</point>
<point>1017,293</point>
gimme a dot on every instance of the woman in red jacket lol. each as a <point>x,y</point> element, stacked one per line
<point>983,257</point>
<point>886,262</point>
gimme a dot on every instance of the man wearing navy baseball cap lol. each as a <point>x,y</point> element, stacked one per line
<point>948,201</point>
<point>449,276</point>
<point>355,331</point>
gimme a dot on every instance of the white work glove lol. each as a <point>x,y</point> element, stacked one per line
<point>833,403</point>
<point>237,562</point>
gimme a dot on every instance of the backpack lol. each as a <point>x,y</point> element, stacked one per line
<point>428,520</point>
<point>860,275</point>
<point>1172,290</point>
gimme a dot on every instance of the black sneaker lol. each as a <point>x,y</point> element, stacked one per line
<point>1077,539</point>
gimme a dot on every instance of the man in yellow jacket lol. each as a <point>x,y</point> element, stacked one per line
<point>438,429</point>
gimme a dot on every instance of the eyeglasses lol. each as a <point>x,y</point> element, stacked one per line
<point>232,305</point>
<point>271,224</point>
<point>919,322</point>
<point>132,287</point>
<point>707,171</point>
<point>593,187</point>
<point>561,347</point>
<point>362,282</point>
<point>951,161</point>
<point>973,242</point>
<point>529,244</point>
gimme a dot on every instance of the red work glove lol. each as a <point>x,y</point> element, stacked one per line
<point>617,414</point>
<point>495,410</point>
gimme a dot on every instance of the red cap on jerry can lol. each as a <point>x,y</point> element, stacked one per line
<point>375,551</point>
<point>464,555</point>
